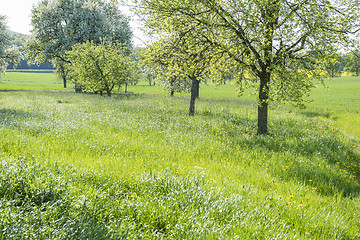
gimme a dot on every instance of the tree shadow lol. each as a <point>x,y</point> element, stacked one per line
<point>14,118</point>
<point>311,152</point>
<point>14,90</point>
<point>315,114</point>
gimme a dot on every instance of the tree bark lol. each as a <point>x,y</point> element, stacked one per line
<point>62,73</point>
<point>263,104</point>
<point>194,94</point>
<point>78,88</point>
<point>197,89</point>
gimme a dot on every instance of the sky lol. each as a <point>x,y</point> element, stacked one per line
<point>18,13</point>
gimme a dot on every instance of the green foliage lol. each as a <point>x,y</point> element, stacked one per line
<point>8,53</point>
<point>335,64</point>
<point>353,62</point>
<point>99,68</point>
<point>282,44</point>
<point>19,39</point>
<point>58,25</point>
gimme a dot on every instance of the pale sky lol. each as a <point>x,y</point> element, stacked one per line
<point>18,13</point>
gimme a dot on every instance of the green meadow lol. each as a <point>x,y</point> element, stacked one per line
<point>135,166</point>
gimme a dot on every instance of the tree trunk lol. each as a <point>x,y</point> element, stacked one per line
<point>78,88</point>
<point>126,86</point>
<point>62,73</point>
<point>194,94</point>
<point>172,93</point>
<point>197,88</point>
<point>263,104</point>
<point>64,80</point>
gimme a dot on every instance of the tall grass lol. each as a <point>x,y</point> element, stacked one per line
<point>135,166</point>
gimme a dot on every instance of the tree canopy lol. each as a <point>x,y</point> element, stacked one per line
<point>282,43</point>
<point>8,53</point>
<point>353,62</point>
<point>60,24</point>
<point>100,67</point>
<point>179,59</point>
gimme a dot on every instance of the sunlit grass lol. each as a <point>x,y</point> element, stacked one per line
<point>136,165</point>
<point>28,80</point>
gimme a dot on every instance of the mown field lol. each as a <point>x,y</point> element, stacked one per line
<point>135,166</point>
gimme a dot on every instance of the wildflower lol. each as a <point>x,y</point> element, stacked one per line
<point>168,226</point>
<point>226,199</point>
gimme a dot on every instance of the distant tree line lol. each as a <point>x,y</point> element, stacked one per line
<point>19,40</point>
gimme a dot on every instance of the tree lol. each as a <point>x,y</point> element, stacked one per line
<point>282,43</point>
<point>8,53</point>
<point>99,67</point>
<point>334,65</point>
<point>183,59</point>
<point>60,24</point>
<point>353,62</point>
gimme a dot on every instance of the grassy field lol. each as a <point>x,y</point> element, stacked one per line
<point>30,80</point>
<point>135,166</point>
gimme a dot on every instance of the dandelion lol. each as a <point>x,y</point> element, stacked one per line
<point>226,199</point>
<point>168,226</point>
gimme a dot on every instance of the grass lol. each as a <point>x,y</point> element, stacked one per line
<point>81,166</point>
<point>29,80</point>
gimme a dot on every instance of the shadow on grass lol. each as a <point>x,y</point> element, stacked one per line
<point>312,114</point>
<point>309,152</point>
<point>116,95</point>
<point>15,118</point>
<point>14,90</point>
<point>14,114</point>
